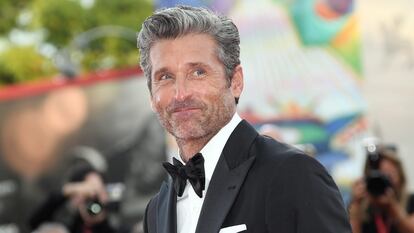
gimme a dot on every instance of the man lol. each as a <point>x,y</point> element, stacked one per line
<point>248,182</point>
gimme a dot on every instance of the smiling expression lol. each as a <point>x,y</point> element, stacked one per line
<point>190,92</point>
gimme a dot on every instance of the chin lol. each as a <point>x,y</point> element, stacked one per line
<point>188,132</point>
<point>188,135</point>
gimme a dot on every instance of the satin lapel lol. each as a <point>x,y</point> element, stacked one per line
<point>228,177</point>
<point>167,209</point>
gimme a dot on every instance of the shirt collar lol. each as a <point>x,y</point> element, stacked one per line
<point>212,150</point>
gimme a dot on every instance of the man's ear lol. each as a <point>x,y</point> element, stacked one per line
<point>237,82</point>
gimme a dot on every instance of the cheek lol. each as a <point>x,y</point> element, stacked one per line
<point>209,98</point>
<point>212,90</point>
<point>161,99</point>
<point>157,101</point>
<point>395,179</point>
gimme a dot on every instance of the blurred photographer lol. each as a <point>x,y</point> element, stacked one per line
<point>80,204</point>
<point>380,202</point>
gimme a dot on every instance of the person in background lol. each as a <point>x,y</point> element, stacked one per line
<point>380,202</point>
<point>79,205</point>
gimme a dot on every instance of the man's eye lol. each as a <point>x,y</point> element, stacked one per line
<point>165,77</point>
<point>199,73</point>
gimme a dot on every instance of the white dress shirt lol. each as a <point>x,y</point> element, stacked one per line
<point>189,204</point>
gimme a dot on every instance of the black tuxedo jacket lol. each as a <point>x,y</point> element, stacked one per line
<point>264,184</point>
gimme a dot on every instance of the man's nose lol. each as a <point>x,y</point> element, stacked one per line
<point>182,89</point>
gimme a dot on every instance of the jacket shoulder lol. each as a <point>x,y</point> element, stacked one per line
<point>297,184</point>
<point>274,151</point>
<point>150,218</point>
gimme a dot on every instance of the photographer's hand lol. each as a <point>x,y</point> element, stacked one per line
<point>358,194</point>
<point>389,203</point>
<point>403,221</point>
<point>359,191</point>
<point>386,200</point>
<point>81,192</point>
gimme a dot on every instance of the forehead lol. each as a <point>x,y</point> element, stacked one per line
<point>192,48</point>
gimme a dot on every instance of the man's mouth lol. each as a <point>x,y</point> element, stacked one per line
<point>177,110</point>
<point>184,108</point>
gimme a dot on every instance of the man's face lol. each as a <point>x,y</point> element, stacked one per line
<point>190,92</point>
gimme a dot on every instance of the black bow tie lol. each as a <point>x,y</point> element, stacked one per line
<point>193,170</point>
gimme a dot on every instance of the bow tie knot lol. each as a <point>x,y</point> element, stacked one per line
<point>193,171</point>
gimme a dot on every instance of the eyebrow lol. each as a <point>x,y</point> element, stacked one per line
<point>195,64</point>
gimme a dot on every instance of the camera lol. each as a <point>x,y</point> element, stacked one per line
<point>115,193</point>
<point>94,207</point>
<point>376,181</point>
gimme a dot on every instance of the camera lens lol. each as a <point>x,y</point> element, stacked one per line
<point>377,183</point>
<point>94,207</point>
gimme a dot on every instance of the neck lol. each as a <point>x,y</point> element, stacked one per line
<point>188,148</point>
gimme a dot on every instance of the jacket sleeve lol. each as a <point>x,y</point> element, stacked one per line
<point>145,224</point>
<point>305,199</point>
<point>149,223</point>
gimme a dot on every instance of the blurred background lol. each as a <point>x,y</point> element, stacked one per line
<point>329,76</point>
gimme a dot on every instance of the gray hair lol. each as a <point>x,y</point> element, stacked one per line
<point>179,21</point>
